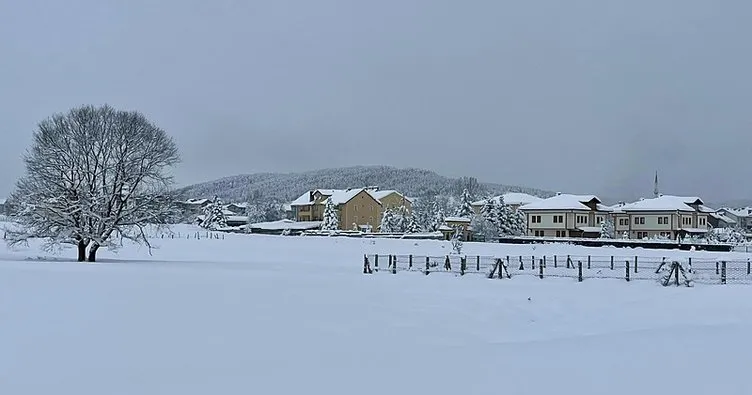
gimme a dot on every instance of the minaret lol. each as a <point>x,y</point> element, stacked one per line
<point>656,193</point>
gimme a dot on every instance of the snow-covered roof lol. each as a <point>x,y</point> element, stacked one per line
<point>457,219</point>
<point>590,229</point>
<point>236,218</point>
<point>723,218</point>
<point>240,205</point>
<point>739,212</point>
<point>286,224</point>
<point>665,203</point>
<point>3,201</point>
<point>380,194</point>
<point>196,201</point>
<point>340,196</point>
<point>513,198</point>
<point>566,202</point>
<point>695,230</point>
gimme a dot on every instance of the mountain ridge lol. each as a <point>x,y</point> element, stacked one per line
<point>285,187</point>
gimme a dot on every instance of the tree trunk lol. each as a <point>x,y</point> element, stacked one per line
<point>93,253</point>
<point>81,251</point>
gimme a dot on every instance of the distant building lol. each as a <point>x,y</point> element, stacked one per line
<point>566,215</point>
<point>664,216</point>
<point>362,207</point>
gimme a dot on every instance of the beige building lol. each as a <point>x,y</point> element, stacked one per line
<point>362,207</point>
<point>565,215</point>
<point>451,224</point>
<point>664,216</point>
<point>512,199</point>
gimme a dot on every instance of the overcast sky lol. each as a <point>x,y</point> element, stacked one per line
<point>586,96</point>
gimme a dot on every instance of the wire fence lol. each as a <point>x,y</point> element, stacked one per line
<point>627,268</point>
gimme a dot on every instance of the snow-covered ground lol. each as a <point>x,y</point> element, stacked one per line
<point>291,315</point>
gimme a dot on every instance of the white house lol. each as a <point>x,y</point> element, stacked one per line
<point>565,215</point>
<point>664,216</point>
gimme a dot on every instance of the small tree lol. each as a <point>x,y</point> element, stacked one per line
<point>254,215</point>
<point>457,240</point>
<point>465,210</point>
<point>438,216</point>
<point>331,219</point>
<point>91,174</point>
<point>214,215</point>
<point>607,228</point>
<point>412,225</point>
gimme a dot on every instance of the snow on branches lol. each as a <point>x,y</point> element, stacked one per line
<point>93,174</point>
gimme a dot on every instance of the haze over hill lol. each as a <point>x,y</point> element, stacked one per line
<point>288,186</point>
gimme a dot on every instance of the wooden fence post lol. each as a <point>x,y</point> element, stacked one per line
<point>627,271</point>
<point>532,261</point>
<point>635,264</point>
<point>502,266</point>
<point>588,262</point>
<point>579,271</point>
<point>690,264</point>
<point>540,268</point>
<point>723,272</point>
<point>428,265</point>
<point>365,264</point>
<point>544,260</point>
<point>462,265</point>
<point>447,264</point>
<point>569,261</point>
<point>522,265</point>
<point>376,263</point>
<point>717,268</point>
<point>748,266</point>
<point>394,264</point>
<point>555,265</point>
<point>477,263</point>
<point>410,261</point>
<point>612,262</point>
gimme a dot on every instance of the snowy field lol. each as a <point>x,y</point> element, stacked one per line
<point>293,315</point>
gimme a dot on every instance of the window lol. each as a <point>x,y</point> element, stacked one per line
<point>702,221</point>
<point>539,233</point>
<point>642,220</point>
<point>561,233</point>
<point>582,219</point>
<point>536,219</point>
<point>623,221</point>
<point>558,219</point>
<point>686,220</point>
<point>642,235</point>
<point>599,220</point>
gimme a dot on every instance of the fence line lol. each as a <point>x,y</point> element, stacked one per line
<point>685,270</point>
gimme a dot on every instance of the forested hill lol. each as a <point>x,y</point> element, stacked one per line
<point>284,187</point>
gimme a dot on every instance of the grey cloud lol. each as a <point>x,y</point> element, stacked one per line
<point>581,96</point>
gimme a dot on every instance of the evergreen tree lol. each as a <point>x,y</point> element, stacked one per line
<point>489,211</point>
<point>607,228</point>
<point>412,225</point>
<point>214,215</point>
<point>438,216</point>
<point>331,219</point>
<point>387,221</point>
<point>465,210</point>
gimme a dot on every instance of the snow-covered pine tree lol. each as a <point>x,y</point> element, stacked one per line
<point>411,225</point>
<point>520,220</point>
<point>465,210</point>
<point>607,228</point>
<point>399,218</point>
<point>387,221</point>
<point>489,211</point>
<point>438,216</point>
<point>331,219</point>
<point>214,215</point>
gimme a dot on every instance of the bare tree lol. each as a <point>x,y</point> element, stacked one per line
<point>93,175</point>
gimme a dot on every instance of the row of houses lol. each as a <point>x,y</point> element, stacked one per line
<point>666,216</point>
<point>562,215</point>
